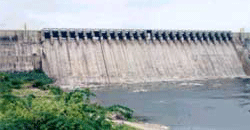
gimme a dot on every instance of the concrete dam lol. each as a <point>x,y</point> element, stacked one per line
<point>108,56</point>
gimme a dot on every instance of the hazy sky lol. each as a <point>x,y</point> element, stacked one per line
<point>155,14</point>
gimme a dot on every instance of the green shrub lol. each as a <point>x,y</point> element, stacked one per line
<point>56,110</point>
<point>44,87</point>
<point>16,82</point>
<point>38,84</point>
<point>125,111</point>
<point>36,75</point>
<point>55,90</point>
<point>4,77</point>
<point>5,87</point>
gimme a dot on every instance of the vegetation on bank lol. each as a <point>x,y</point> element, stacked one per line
<point>49,108</point>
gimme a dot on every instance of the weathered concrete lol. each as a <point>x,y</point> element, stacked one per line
<point>127,61</point>
<point>18,57</point>
<point>113,56</point>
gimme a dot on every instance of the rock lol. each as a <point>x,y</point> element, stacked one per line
<point>117,116</point>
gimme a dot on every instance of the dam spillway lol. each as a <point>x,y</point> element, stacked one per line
<point>127,56</point>
<point>105,56</point>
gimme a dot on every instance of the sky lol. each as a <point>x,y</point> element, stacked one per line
<point>126,14</point>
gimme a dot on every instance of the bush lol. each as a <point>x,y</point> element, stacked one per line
<point>16,82</point>
<point>69,110</point>
<point>5,87</point>
<point>55,90</point>
<point>57,109</point>
<point>38,84</point>
<point>4,77</point>
<point>36,75</point>
<point>124,111</point>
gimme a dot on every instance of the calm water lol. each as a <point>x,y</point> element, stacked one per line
<point>194,105</point>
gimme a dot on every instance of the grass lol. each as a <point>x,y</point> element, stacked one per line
<point>44,106</point>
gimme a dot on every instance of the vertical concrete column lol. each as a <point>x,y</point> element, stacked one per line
<point>242,34</point>
<point>108,35</point>
<point>92,35</point>
<point>124,35</point>
<point>119,32</point>
<point>179,36</point>
<point>199,36</point>
<point>218,36</point>
<point>68,35</point>
<point>172,36</point>
<point>211,36</point>
<point>230,36</point>
<point>135,34</point>
<point>127,34</point>
<point>59,35</point>
<point>42,35</point>
<point>205,36</point>
<point>166,35</point>
<point>84,35</point>
<point>76,35</point>
<point>131,34</point>
<point>153,33</point>
<point>186,36</point>
<point>148,35</point>
<point>192,36</point>
<point>224,37</point>
<point>143,35</point>
<point>116,35</point>
<point>51,36</point>
<point>163,35</point>
<point>159,33</point>
<point>138,33</point>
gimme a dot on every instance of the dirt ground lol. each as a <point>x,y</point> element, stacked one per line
<point>143,126</point>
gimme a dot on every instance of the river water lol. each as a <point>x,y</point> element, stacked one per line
<point>221,104</point>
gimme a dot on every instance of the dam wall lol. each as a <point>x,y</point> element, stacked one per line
<point>107,56</point>
<point>129,56</point>
<point>18,51</point>
<point>244,53</point>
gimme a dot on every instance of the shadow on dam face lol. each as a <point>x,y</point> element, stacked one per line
<point>129,56</point>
